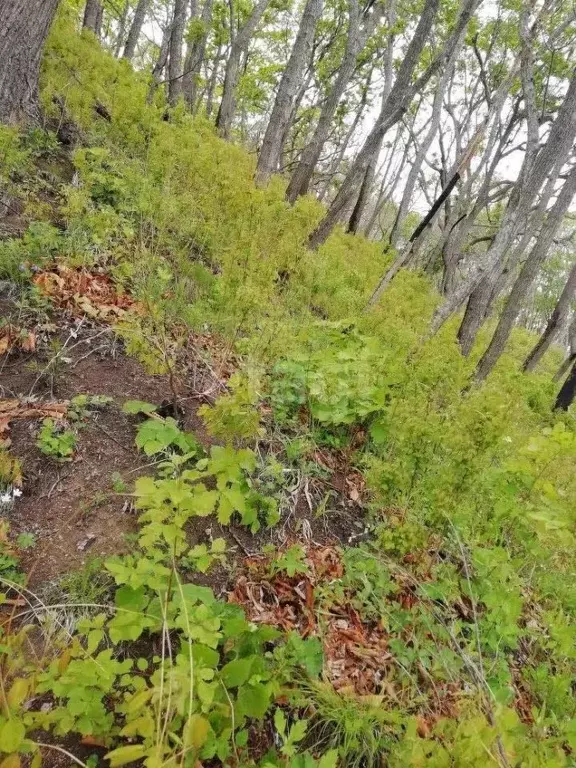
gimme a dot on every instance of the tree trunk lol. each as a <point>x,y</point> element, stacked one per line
<point>269,156</point>
<point>121,29</point>
<point>571,356</point>
<point>526,278</point>
<point>421,153</point>
<point>175,87</point>
<point>195,57</point>
<point>521,200</point>
<point>23,31</point>
<point>394,107</point>
<point>160,66</point>
<point>566,395</point>
<point>92,16</point>
<point>365,192</point>
<point>212,82</point>
<point>344,144</point>
<point>135,29</point>
<point>559,315</point>
<point>300,181</point>
<point>239,46</point>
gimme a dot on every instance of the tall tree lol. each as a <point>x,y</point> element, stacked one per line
<point>239,42</point>
<point>517,212</point>
<point>527,277</point>
<point>567,392</point>
<point>557,321</point>
<point>394,107</point>
<point>571,356</point>
<point>361,23</point>
<point>93,16</point>
<point>136,28</point>
<point>175,71</point>
<point>23,32</point>
<point>271,149</point>
<point>195,56</point>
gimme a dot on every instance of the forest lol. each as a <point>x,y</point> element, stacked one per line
<point>287,383</point>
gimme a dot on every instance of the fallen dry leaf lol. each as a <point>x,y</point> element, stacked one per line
<point>13,408</point>
<point>81,292</point>
<point>12,337</point>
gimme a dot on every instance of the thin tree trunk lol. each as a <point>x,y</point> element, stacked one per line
<point>195,58</point>
<point>395,105</point>
<point>300,180</point>
<point>23,31</point>
<point>175,87</point>
<point>160,66</point>
<point>92,16</point>
<point>269,156</point>
<point>121,29</point>
<point>135,29</point>
<point>567,392</point>
<point>526,278</point>
<point>212,82</point>
<point>557,320</point>
<point>239,46</point>
<point>571,356</point>
<point>344,144</point>
<point>365,192</point>
<point>410,185</point>
<point>559,141</point>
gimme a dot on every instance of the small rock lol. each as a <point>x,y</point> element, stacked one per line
<point>88,541</point>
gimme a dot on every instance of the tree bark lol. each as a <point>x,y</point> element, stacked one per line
<point>339,157</point>
<point>567,392</point>
<point>526,278</point>
<point>239,46</point>
<point>160,65</point>
<point>175,86</point>
<point>269,156</point>
<point>195,57</point>
<point>23,31</point>
<point>410,185</point>
<point>557,320</point>
<point>300,181</point>
<point>365,192</point>
<point>92,16</point>
<point>399,98</point>
<point>571,356</point>
<point>521,200</point>
<point>212,82</point>
<point>121,29</point>
<point>135,29</point>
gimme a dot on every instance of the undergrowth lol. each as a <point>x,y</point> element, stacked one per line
<point>469,493</point>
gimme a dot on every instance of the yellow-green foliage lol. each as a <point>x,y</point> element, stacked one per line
<point>477,482</point>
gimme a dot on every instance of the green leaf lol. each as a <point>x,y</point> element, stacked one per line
<point>329,760</point>
<point>12,734</point>
<point>138,406</point>
<point>196,731</point>
<point>125,755</point>
<point>253,700</point>
<point>280,721</point>
<point>298,731</point>
<point>236,672</point>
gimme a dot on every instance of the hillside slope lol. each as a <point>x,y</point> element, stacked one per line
<point>320,544</point>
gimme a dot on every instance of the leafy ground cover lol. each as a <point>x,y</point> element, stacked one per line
<point>246,523</point>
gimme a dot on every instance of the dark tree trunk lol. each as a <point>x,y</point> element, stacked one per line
<point>364,194</point>
<point>566,395</point>
<point>557,320</point>
<point>23,31</point>
<point>93,16</point>
<point>135,29</point>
